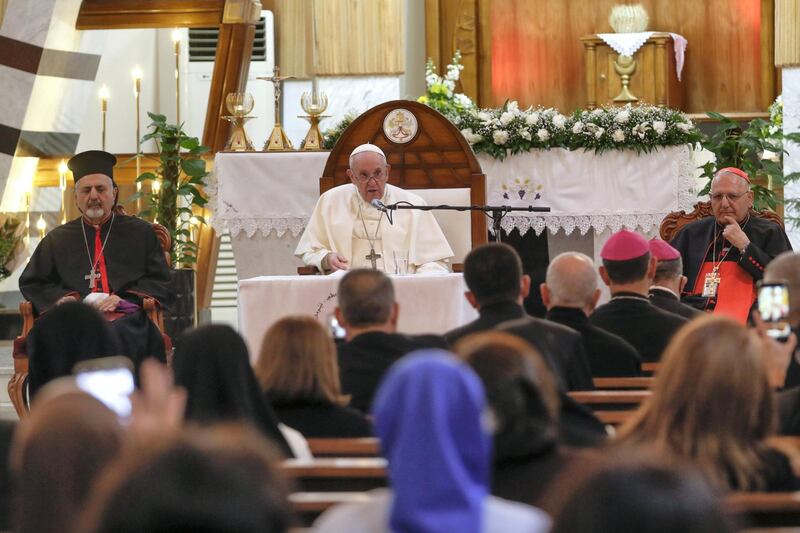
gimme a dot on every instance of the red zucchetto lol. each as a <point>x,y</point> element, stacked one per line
<point>624,245</point>
<point>662,251</point>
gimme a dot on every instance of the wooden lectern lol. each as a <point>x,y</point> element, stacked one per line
<point>651,76</point>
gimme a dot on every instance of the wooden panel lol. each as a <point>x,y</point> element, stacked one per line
<point>359,37</point>
<point>3,4</point>
<point>117,14</point>
<point>294,35</point>
<point>787,33</point>
<point>452,25</point>
<point>537,57</point>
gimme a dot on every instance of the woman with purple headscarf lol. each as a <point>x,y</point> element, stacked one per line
<point>431,417</point>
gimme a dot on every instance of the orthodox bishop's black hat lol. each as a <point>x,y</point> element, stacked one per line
<point>92,162</point>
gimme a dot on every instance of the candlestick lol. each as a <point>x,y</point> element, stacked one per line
<point>137,90</point>
<point>41,225</point>
<point>62,183</point>
<point>176,39</point>
<point>103,94</point>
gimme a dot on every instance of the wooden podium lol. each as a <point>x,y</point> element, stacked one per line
<point>652,76</point>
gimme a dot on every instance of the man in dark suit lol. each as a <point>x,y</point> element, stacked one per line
<point>497,288</point>
<point>368,312</point>
<point>669,280</point>
<point>570,294</point>
<point>628,269</point>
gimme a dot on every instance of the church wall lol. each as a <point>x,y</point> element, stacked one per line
<point>537,56</point>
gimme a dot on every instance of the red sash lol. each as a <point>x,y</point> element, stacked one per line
<point>736,292</point>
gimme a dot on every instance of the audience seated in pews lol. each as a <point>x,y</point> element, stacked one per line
<point>523,398</point>
<point>570,294</point>
<point>628,269</point>
<point>65,335</point>
<point>497,287</point>
<point>212,364</point>
<point>215,480</point>
<point>59,450</point>
<point>430,417</point>
<point>368,312</point>
<point>641,496</point>
<point>712,406</point>
<point>297,371</point>
<point>669,281</point>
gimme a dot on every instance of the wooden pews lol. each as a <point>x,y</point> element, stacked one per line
<point>351,447</point>
<point>336,474</point>
<point>765,510</point>
<point>631,383</point>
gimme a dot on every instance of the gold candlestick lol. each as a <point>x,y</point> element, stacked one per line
<point>103,94</point>
<point>137,90</point>
<point>278,141</point>
<point>314,104</point>
<point>62,183</point>
<point>176,39</point>
<point>41,225</point>
<point>239,105</point>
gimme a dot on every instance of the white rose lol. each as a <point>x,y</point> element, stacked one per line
<point>532,119</point>
<point>618,135</point>
<point>599,133</point>
<point>463,100</point>
<point>543,134</point>
<point>622,117</point>
<point>684,127</point>
<point>484,116</point>
<point>659,126</point>
<point>500,136</point>
<point>559,121</point>
<point>506,118</point>
<point>525,134</point>
<point>513,107</point>
<point>577,127</point>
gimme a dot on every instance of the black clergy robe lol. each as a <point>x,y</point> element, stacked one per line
<point>135,268</point>
<point>695,242</point>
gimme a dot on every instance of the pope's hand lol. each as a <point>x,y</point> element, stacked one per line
<point>108,304</point>
<point>734,234</point>
<point>336,261</point>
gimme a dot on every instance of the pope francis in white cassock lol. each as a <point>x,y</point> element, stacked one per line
<point>345,231</point>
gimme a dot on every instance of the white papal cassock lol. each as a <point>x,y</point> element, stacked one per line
<point>336,226</point>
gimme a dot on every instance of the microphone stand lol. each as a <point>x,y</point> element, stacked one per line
<point>496,212</point>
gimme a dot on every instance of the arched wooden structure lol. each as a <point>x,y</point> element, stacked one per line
<point>674,221</point>
<point>436,157</point>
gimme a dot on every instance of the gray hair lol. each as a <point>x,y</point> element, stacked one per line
<point>366,297</point>
<point>571,279</point>
<point>668,270</point>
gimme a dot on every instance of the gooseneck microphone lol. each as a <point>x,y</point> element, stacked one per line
<point>377,204</point>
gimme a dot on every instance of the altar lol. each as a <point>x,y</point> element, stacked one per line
<point>265,199</point>
<point>432,303</point>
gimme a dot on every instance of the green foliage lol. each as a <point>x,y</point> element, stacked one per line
<point>181,173</point>
<point>10,238</point>
<point>756,149</point>
<point>330,136</point>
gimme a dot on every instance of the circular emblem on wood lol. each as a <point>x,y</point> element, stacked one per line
<point>400,126</point>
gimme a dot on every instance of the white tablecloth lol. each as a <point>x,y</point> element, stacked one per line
<point>428,303</point>
<point>276,192</point>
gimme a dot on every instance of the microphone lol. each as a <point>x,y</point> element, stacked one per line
<point>377,204</point>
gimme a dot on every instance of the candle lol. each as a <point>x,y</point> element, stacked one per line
<point>103,94</point>
<point>176,40</point>
<point>41,225</point>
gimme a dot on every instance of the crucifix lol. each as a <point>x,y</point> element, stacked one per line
<point>278,141</point>
<point>92,276</point>
<point>373,258</point>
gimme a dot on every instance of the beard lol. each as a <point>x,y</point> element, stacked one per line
<point>95,212</point>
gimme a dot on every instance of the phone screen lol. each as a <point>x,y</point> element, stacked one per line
<point>336,330</point>
<point>113,386</point>
<point>773,306</point>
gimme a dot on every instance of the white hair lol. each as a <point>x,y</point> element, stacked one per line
<point>571,279</point>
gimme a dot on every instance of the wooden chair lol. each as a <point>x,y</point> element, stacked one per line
<point>676,220</point>
<point>649,369</point>
<point>612,406</point>
<point>623,383</point>
<point>436,157</point>
<point>18,384</point>
<point>337,474</point>
<point>766,509</point>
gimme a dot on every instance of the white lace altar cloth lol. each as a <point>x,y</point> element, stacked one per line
<point>628,43</point>
<point>274,193</point>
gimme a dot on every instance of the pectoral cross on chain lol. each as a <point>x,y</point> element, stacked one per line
<point>92,276</point>
<point>373,258</point>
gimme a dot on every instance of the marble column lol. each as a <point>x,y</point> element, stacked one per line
<point>791,160</point>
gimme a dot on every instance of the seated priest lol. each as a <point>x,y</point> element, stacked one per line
<point>108,260</point>
<point>725,255</point>
<point>347,231</point>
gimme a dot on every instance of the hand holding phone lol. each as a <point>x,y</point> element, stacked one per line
<point>773,309</point>
<point>110,380</point>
